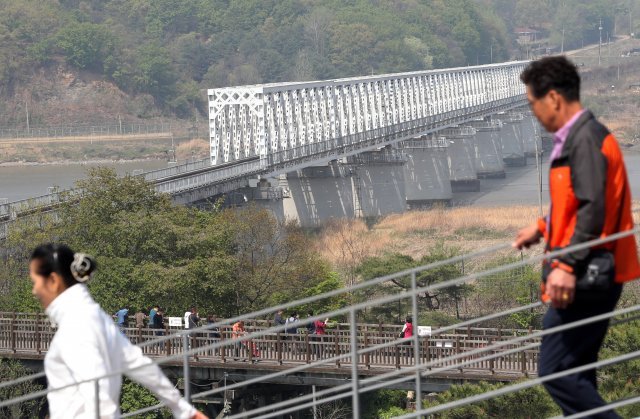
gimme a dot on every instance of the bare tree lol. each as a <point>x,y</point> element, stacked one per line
<point>316,28</point>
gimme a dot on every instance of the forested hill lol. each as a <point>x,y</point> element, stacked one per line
<point>142,57</point>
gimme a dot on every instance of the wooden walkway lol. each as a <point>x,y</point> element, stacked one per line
<point>27,336</point>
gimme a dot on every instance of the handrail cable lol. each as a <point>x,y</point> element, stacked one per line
<point>468,400</point>
<point>421,366</point>
<point>380,300</point>
<point>605,408</point>
<point>523,385</point>
<point>347,355</point>
<point>306,300</point>
<point>22,379</point>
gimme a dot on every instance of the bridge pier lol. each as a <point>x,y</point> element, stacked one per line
<point>531,134</point>
<point>316,194</point>
<point>462,158</point>
<point>511,137</point>
<point>426,173</point>
<point>489,163</point>
<point>265,193</point>
<point>379,182</point>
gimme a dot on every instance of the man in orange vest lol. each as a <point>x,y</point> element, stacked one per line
<point>590,199</point>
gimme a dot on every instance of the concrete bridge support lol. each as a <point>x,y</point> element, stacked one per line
<point>426,173</point>
<point>488,150</point>
<point>264,194</point>
<point>379,183</point>
<point>531,134</point>
<point>462,158</point>
<point>316,194</point>
<point>511,138</point>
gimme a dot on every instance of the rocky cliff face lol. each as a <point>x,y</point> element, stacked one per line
<point>58,95</point>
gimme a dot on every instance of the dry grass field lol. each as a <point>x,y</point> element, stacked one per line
<point>346,244</point>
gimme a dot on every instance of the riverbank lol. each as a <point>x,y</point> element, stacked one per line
<point>104,152</point>
<point>95,162</point>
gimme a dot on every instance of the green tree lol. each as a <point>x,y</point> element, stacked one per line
<point>431,300</point>
<point>10,370</point>
<point>531,403</point>
<point>154,72</point>
<point>134,397</point>
<point>86,45</point>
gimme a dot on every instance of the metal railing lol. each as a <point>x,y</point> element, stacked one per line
<point>86,130</point>
<point>419,368</point>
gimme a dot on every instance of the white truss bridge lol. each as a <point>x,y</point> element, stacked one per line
<point>266,130</point>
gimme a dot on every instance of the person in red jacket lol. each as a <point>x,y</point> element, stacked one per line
<point>590,199</point>
<point>407,329</point>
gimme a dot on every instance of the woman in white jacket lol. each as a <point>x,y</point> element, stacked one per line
<point>88,344</point>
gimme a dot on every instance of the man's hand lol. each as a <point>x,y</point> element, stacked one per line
<point>199,415</point>
<point>527,236</point>
<point>560,287</point>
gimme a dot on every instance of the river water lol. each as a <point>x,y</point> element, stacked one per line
<point>22,182</point>
<point>519,187</point>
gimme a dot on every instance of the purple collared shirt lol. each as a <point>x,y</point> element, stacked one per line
<point>560,136</point>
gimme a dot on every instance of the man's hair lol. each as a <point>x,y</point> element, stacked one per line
<point>552,73</point>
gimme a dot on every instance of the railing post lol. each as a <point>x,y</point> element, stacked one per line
<point>96,387</point>
<point>355,397</point>
<point>523,363</point>
<point>38,345</point>
<point>416,339</point>
<point>168,341</point>
<point>491,361</point>
<point>397,353</point>
<point>336,340</point>
<point>458,350</point>
<point>185,366</point>
<point>13,332</point>
<point>279,348</point>
<point>367,358</point>
<point>307,346</point>
<point>223,347</point>
<point>427,351</point>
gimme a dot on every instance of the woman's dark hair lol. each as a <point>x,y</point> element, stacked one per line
<point>552,73</point>
<point>74,268</point>
<point>409,319</point>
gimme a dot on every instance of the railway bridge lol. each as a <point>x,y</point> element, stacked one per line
<point>362,146</point>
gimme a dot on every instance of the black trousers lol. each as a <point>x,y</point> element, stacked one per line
<point>573,348</point>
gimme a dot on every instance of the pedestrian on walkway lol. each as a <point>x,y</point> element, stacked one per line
<point>590,199</point>
<point>121,317</point>
<point>292,324</point>
<point>158,322</point>
<point>152,314</point>
<point>140,317</point>
<point>87,344</point>
<point>407,329</point>
<point>278,320</point>
<point>238,331</point>
<point>319,327</point>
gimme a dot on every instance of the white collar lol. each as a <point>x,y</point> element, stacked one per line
<point>67,301</point>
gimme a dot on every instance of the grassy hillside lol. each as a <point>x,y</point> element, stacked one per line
<point>72,61</point>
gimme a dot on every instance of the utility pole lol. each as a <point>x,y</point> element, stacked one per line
<point>539,170</point>
<point>26,105</point>
<point>562,45</point>
<point>600,43</point>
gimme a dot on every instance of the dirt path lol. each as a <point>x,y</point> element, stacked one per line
<point>86,138</point>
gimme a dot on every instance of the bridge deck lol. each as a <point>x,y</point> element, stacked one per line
<point>28,337</point>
